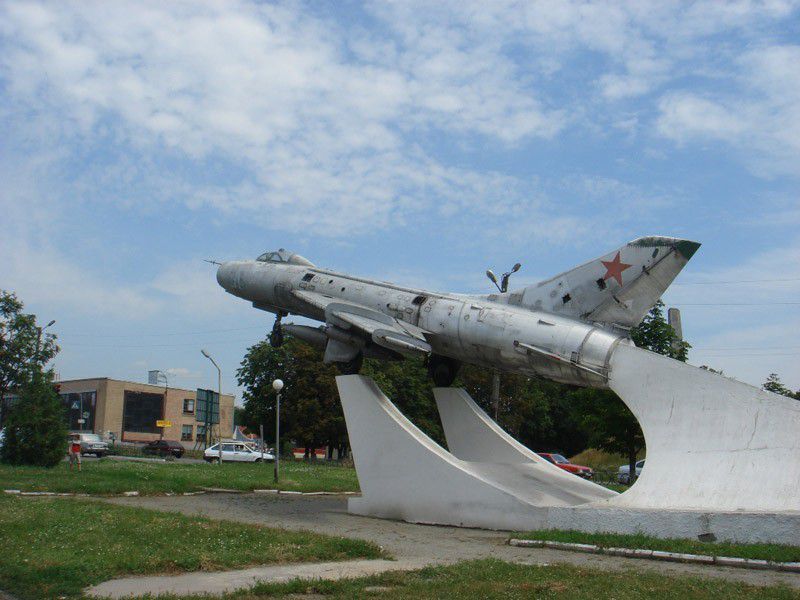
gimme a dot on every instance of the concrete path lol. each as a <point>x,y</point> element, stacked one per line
<point>229,581</point>
<point>412,545</point>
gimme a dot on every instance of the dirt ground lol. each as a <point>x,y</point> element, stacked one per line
<point>433,544</point>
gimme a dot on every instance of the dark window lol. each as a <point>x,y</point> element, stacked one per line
<point>601,283</point>
<point>566,298</point>
<point>77,407</point>
<point>188,405</point>
<point>186,432</point>
<point>141,411</point>
<point>419,300</point>
<point>308,277</point>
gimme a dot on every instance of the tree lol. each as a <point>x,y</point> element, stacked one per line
<point>656,335</point>
<point>23,352</point>
<point>311,413</point>
<point>775,385</point>
<point>536,412</point>
<point>407,385</point>
<point>35,430</point>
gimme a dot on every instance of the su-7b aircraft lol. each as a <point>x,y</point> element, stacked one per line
<point>564,328</point>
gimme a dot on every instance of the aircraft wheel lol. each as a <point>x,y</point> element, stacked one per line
<point>351,367</point>
<point>443,370</point>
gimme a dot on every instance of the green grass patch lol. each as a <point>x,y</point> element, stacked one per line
<point>773,552</point>
<point>496,579</point>
<point>56,547</point>
<point>109,476</point>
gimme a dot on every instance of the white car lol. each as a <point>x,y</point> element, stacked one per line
<point>235,452</point>
<point>624,471</point>
<point>91,443</point>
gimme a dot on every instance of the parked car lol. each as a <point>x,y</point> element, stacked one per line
<point>164,448</point>
<point>623,473</point>
<point>236,452</point>
<point>561,462</point>
<point>91,443</point>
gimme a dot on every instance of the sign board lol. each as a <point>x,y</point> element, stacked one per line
<point>206,408</point>
<point>160,423</point>
<point>81,421</point>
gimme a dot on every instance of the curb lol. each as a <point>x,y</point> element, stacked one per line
<point>203,490</point>
<point>292,493</point>
<point>722,561</point>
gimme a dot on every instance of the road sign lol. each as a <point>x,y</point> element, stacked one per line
<point>206,409</point>
<point>81,421</point>
<point>75,405</point>
<point>163,423</point>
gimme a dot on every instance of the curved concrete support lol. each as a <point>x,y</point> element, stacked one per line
<point>473,436</point>
<point>713,443</point>
<point>405,475</point>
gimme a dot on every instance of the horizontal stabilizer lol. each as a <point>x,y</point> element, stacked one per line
<point>618,288</point>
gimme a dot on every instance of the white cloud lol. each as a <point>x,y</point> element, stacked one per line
<point>760,117</point>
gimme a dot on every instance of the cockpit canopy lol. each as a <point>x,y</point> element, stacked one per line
<point>284,256</point>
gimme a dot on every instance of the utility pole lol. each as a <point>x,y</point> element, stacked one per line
<point>277,385</point>
<point>496,393</point>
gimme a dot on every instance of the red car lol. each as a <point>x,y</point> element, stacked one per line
<point>563,463</point>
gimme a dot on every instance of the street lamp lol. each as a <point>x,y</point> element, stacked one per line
<point>277,385</point>
<point>162,375</point>
<point>39,341</point>
<point>219,399</point>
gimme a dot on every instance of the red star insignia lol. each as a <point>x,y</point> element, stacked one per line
<point>614,268</point>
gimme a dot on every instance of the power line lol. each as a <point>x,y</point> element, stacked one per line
<point>163,334</point>
<point>735,281</point>
<point>733,303</point>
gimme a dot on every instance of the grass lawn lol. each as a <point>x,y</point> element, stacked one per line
<point>496,579</point>
<point>774,552</point>
<point>56,547</point>
<point>113,477</point>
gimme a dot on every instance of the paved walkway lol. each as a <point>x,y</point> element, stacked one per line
<point>229,581</point>
<point>412,545</point>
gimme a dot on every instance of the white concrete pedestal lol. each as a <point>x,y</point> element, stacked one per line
<point>491,481</point>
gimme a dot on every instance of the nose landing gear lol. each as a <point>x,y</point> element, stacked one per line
<point>276,336</point>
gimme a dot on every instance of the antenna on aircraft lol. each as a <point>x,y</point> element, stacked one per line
<point>502,286</point>
<point>213,262</point>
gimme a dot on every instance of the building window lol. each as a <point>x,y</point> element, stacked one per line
<point>141,411</point>
<point>79,410</point>
<point>201,432</point>
<point>186,433</point>
<point>188,406</point>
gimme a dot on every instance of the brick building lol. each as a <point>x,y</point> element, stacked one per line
<point>130,410</point>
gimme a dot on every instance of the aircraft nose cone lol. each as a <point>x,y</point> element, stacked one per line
<point>225,274</point>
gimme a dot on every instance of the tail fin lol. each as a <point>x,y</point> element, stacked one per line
<point>617,288</point>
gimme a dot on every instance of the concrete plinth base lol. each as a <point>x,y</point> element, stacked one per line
<point>739,527</point>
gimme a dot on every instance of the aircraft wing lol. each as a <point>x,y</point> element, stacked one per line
<point>367,323</point>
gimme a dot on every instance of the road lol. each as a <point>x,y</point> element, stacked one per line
<point>407,541</point>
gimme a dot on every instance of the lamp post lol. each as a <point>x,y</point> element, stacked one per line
<point>219,400</point>
<point>277,385</point>
<point>35,357</point>
<point>162,374</point>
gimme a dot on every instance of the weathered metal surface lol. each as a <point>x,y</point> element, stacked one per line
<point>538,333</point>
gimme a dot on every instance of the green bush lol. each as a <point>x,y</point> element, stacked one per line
<point>35,432</point>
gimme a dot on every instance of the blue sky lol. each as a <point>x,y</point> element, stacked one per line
<point>393,140</point>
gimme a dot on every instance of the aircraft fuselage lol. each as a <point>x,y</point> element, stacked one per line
<point>480,330</point>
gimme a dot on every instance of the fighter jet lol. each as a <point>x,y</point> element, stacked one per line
<point>564,328</point>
